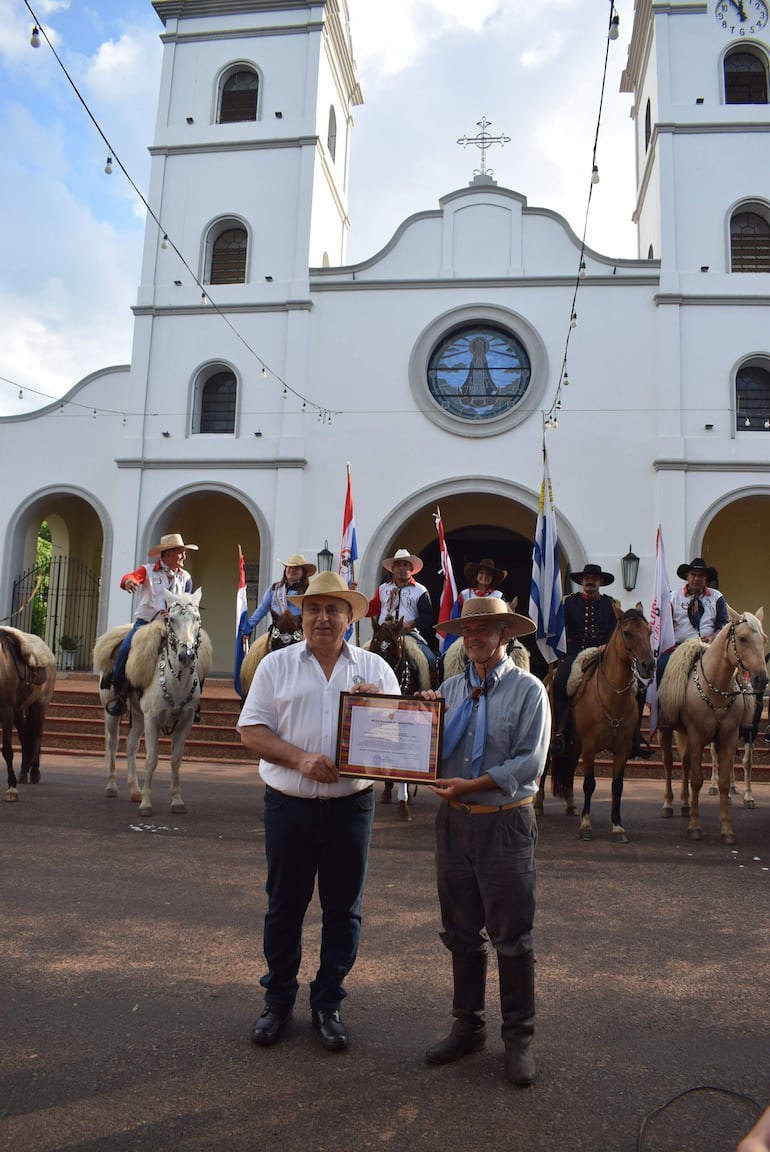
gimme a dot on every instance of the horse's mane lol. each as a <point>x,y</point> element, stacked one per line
<point>673,686</point>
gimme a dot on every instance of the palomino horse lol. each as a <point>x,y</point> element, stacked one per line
<point>410,666</point>
<point>282,633</point>
<point>605,714</point>
<point>168,661</point>
<point>27,682</point>
<point>707,694</point>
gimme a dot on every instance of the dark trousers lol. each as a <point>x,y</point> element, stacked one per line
<point>304,839</point>
<point>485,870</point>
<point>559,691</point>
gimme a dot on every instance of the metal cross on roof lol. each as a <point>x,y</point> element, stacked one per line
<point>483,140</point>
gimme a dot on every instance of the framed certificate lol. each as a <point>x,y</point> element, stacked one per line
<point>390,737</point>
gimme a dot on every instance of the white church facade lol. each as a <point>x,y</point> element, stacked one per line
<point>262,363</point>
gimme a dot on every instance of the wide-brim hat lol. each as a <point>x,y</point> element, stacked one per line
<point>593,570</point>
<point>472,570</point>
<point>697,565</point>
<point>173,540</point>
<point>332,584</point>
<point>484,608</point>
<point>402,554</point>
<point>297,560</point>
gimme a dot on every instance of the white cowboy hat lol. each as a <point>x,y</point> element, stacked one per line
<point>173,540</point>
<point>297,560</point>
<point>486,609</point>
<point>402,554</point>
<point>332,584</point>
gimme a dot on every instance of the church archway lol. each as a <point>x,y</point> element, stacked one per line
<point>733,538</point>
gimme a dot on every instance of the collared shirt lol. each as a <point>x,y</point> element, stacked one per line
<point>154,580</point>
<point>518,735</point>
<point>408,602</point>
<point>291,696</point>
<point>715,614</point>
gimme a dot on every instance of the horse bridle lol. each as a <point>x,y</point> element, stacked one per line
<point>171,645</point>
<point>730,697</point>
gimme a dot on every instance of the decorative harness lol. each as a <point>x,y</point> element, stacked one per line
<point>169,648</point>
<point>730,696</point>
<point>636,679</point>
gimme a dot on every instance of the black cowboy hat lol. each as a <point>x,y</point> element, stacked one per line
<point>697,565</point>
<point>472,571</point>
<point>592,570</point>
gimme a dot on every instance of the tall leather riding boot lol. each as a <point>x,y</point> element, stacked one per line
<point>117,706</point>
<point>469,1032</point>
<point>517,1002</point>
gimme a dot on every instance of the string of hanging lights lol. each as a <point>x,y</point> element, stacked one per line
<point>324,414</point>
<point>550,417</point>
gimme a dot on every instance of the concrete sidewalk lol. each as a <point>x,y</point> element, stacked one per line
<point>131,954</point>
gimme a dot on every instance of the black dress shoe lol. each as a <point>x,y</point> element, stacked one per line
<point>271,1024</point>
<point>331,1030</point>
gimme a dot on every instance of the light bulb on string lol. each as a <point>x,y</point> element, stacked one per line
<point>285,392</point>
<point>582,270</point>
<point>573,320</point>
<point>21,393</point>
<point>264,372</point>
<point>594,175</point>
<point>747,423</point>
<point>108,166</point>
<point>35,37</point>
<point>164,242</point>
<point>565,380</point>
<point>767,423</point>
<point>614,27</point>
<point>204,298</point>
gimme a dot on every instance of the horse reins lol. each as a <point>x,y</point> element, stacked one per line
<point>616,721</point>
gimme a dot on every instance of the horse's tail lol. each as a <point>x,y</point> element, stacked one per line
<point>563,773</point>
<point>205,655</point>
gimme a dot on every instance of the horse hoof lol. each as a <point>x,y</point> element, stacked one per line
<point>667,813</point>
<point>136,796</point>
<point>694,834</point>
<point>713,790</point>
<point>178,808</point>
<point>571,810</point>
<point>749,803</point>
<point>727,838</point>
<point>684,811</point>
<point>619,836</point>
<point>733,790</point>
<point>145,809</point>
<point>11,796</point>
<point>586,834</point>
<point>111,791</point>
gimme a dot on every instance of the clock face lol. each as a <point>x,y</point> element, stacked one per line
<point>741,17</point>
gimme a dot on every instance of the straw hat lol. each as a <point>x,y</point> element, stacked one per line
<point>297,560</point>
<point>482,608</point>
<point>402,554</point>
<point>173,540</point>
<point>332,584</point>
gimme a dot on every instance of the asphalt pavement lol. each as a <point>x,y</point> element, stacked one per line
<point>131,953</point>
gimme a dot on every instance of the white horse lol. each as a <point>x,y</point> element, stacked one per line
<point>169,659</point>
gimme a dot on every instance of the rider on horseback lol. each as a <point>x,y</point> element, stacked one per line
<point>151,581</point>
<point>402,598</point>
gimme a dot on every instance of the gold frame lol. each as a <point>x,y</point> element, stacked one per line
<point>350,703</point>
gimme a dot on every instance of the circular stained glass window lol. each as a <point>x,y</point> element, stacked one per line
<point>478,372</point>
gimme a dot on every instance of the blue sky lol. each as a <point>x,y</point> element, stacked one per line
<point>73,235</point>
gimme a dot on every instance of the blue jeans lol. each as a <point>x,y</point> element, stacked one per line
<point>119,667</point>
<point>304,839</point>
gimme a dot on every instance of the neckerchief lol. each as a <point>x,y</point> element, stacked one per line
<point>457,722</point>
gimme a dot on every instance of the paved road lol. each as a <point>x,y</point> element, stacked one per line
<point>131,953</point>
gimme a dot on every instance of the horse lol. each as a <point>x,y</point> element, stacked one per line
<point>605,714</point>
<point>169,659</point>
<point>749,732</point>
<point>27,682</point>
<point>707,695</point>
<point>283,632</point>
<point>412,671</point>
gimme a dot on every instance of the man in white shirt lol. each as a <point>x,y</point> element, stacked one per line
<point>316,823</point>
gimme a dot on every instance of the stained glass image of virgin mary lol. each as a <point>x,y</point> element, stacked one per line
<point>478,372</point>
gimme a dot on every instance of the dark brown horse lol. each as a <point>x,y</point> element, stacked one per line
<point>402,653</point>
<point>27,682</point>
<point>283,632</point>
<point>605,714</point>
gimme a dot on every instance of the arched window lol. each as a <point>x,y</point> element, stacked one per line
<point>750,239</point>
<point>647,126</point>
<point>745,77</point>
<point>331,135</point>
<point>216,396</point>
<point>238,97</point>
<point>752,396</point>
<point>228,257</point>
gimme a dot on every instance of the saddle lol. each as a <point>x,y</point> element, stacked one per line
<point>29,672</point>
<point>585,662</point>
